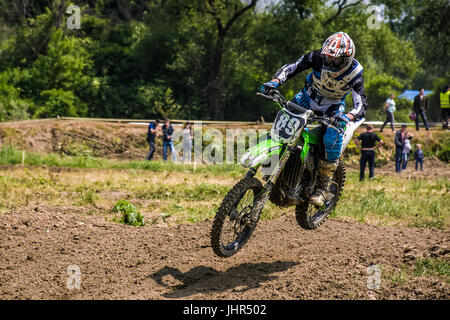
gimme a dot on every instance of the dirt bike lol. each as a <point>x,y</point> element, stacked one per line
<point>288,159</point>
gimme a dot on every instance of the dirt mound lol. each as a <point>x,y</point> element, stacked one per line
<point>281,261</point>
<point>100,139</point>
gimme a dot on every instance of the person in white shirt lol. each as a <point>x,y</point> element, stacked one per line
<point>406,150</point>
<point>389,108</point>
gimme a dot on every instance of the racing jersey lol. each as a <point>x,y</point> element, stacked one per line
<point>321,91</point>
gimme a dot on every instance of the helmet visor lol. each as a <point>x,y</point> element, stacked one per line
<point>334,62</point>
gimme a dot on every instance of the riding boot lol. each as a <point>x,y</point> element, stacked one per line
<point>325,173</point>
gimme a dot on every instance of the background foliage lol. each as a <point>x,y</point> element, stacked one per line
<point>204,59</point>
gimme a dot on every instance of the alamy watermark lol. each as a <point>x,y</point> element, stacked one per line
<point>74,20</point>
<point>211,145</point>
<point>374,277</point>
<point>74,279</point>
<point>374,20</point>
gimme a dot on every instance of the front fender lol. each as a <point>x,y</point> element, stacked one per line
<point>260,153</point>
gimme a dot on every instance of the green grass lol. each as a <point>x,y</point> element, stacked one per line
<point>174,193</point>
<point>387,200</point>
<point>427,267</point>
<point>398,278</point>
<point>9,155</point>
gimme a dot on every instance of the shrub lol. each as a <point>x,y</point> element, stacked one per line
<point>129,213</point>
<point>12,106</point>
<point>444,154</point>
<point>58,102</point>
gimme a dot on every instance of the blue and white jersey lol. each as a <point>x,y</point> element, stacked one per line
<point>321,91</point>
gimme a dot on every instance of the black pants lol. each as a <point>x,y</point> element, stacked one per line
<point>389,118</point>
<point>421,113</point>
<point>367,156</point>
<point>398,158</point>
<point>152,150</point>
<point>444,117</point>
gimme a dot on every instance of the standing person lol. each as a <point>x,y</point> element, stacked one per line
<point>369,143</point>
<point>167,140</point>
<point>419,107</point>
<point>399,144</point>
<point>418,155</point>
<point>151,135</point>
<point>445,106</point>
<point>187,141</point>
<point>406,150</point>
<point>389,108</point>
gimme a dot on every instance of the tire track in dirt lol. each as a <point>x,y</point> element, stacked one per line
<point>281,261</point>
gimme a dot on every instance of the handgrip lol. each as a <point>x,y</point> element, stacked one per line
<point>264,95</point>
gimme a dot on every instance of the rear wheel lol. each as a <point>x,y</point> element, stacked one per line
<point>311,217</point>
<point>236,218</point>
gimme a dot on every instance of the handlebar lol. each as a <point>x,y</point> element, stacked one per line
<point>327,121</point>
<point>276,96</point>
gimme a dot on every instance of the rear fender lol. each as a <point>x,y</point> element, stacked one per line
<point>349,130</point>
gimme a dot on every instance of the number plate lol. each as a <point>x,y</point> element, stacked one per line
<point>287,126</point>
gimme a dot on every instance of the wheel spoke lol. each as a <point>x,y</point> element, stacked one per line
<point>233,226</point>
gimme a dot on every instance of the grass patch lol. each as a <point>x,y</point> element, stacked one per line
<point>400,277</point>
<point>388,200</point>
<point>430,267</point>
<point>9,155</point>
<point>204,191</point>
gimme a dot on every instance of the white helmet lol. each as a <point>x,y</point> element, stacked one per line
<point>338,52</point>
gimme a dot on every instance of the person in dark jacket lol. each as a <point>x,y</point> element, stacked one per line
<point>369,143</point>
<point>151,135</point>
<point>400,137</point>
<point>420,107</point>
<point>167,140</point>
<point>418,155</point>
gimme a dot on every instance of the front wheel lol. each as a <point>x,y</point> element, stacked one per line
<point>237,217</point>
<point>311,217</point>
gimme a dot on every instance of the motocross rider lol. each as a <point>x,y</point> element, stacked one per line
<point>335,73</point>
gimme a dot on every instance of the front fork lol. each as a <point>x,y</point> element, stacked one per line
<point>267,188</point>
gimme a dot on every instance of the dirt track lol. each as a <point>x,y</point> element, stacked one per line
<point>281,261</point>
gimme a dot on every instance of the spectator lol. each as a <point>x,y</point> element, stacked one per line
<point>406,150</point>
<point>389,108</point>
<point>399,144</point>
<point>445,106</point>
<point>419,157</point>
<point>420,107</point>
<point>368,141</point>
<point>151,135</point>
<point>167,140</point>
<point>187,142</point>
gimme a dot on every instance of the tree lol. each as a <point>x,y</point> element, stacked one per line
<point>225,14</point>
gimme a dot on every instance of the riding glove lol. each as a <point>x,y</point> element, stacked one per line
<point>271,85</point>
